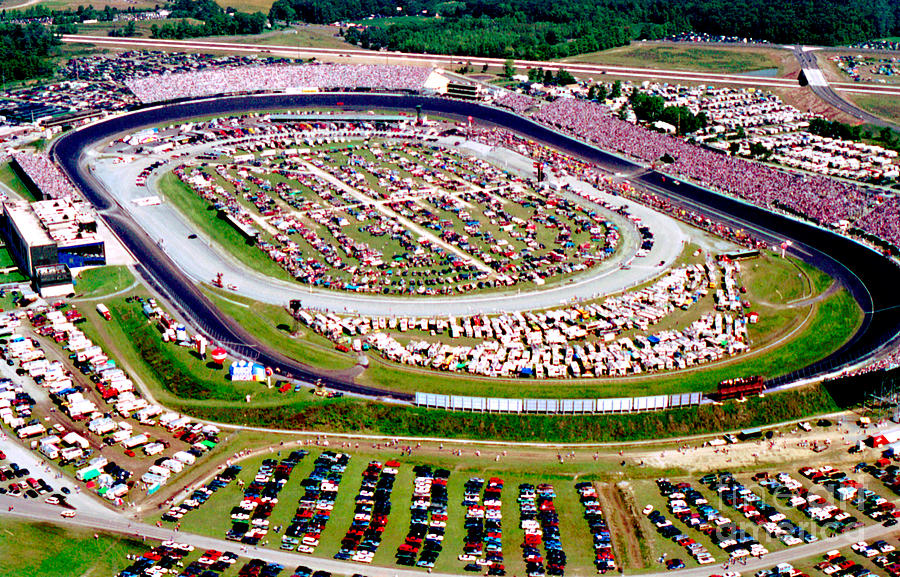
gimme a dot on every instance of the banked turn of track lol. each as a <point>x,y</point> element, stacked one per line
<point>871,278</point>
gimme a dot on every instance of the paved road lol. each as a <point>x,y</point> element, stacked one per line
<point>116,523</point>
<point>39,468</point>
<point>824,91</point>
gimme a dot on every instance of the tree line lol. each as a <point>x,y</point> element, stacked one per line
<point>540,29</point>
<point>25,51</point>
<point>214,21</point>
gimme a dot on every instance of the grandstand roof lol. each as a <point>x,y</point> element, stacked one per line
<point>26,222</point>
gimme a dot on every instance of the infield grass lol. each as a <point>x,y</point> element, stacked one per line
<point>273,326</point>
<point>102,281</point>
<point>175,375</point>
<point>203,216</point>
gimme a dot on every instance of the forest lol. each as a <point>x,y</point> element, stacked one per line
<point>214,21</point>
<point>540,29</point>
<point>25,51</point>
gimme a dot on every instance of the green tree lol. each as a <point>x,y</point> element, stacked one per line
<point>564,77</point>
<point>509,68</point>
<point>616,89</point>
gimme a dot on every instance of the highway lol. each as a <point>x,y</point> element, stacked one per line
<point>824,91</point>
<point>113,522</point>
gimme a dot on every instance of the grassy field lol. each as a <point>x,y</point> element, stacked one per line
<point>212,518</point>
<point>352,415</point>
<point>175,375</point>
<point>101,281</point>
<point>306,35</point>
<point>885,106</point>
<point>44,550</point>
<point>310,35</point>
<point>7,260</point>
<point>704,59</point>
<point>200,214</point>
<point>273,325</point>
<point>248,5</point>
<point>9,177</point>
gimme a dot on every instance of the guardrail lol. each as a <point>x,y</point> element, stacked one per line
<point>558,406</point>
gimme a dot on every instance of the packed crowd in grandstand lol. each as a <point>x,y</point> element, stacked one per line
<point>279,78</point>
<point>818,198</point>
<point>139,63</point>
<point>44,174</point>
<point>515,101</point>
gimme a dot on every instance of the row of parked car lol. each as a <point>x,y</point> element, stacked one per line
<point>162,559</point>
<point>250,519</point>
<point>370,516</point>
<point>825,513</point>
<point>201,495</point>
<point>836,564</point>
<point>693,509</point>
<point>22,484</point>
<point>604,559</point>
<point>168,559</point>
<point>775,523</point>
<point>540,522</point>
<point>210,564</point>
<point>483,542</point>
<point>315,507</point>
<point>668,530</point>
<point>260,568</point>
<point>881,553</point>
<point>428,518</point>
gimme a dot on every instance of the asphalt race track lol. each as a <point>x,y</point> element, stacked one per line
<point>870,277</point>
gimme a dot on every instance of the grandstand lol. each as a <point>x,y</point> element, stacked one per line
<point>287,78</point>
<point>41,176</point>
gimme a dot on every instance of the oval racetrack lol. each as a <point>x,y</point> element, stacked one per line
<point>871,278</point>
